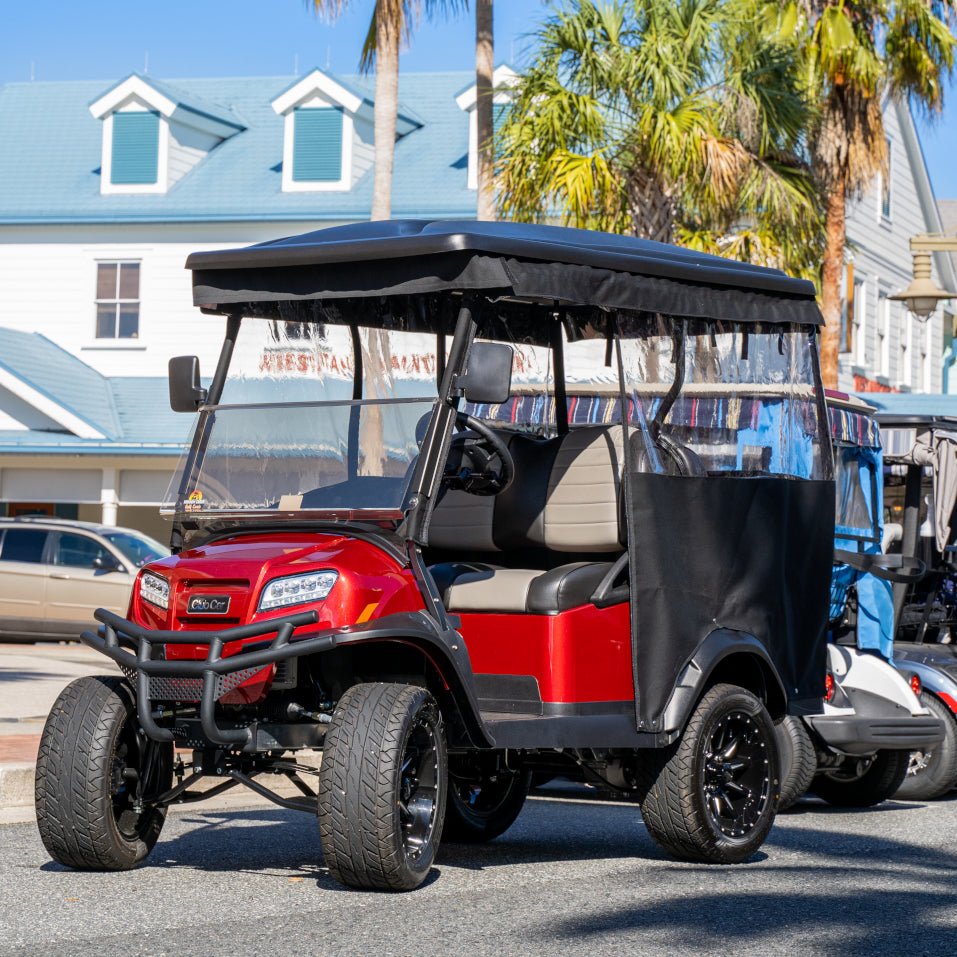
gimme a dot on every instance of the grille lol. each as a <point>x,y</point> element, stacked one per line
<point>191,689</point>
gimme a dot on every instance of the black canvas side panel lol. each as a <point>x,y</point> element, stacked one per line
<point>745,554</point>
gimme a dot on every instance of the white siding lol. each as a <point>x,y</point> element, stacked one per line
<point>879,247</point>
<point>187,147</point>
<point>48,285</point>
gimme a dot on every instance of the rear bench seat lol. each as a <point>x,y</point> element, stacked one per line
<point>564,500</point>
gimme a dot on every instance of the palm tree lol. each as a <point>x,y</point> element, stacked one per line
<point>857,53</point>
<point>484,113</point>
<point>674,121</point>
<point>392,22</point>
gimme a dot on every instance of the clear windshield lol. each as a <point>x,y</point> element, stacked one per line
<point>288,436</point>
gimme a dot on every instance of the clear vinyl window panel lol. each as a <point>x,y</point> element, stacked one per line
<point>342,457</point>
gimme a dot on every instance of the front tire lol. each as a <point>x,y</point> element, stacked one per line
<point>96,776</point>
<point>485,796</point>
<point>932,773</point>
<point>798,760</point>
<point>863,782</point>
<point>711,796</point>
<point>382,785</point>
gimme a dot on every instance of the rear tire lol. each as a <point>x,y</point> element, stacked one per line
<point>382,787</point>
<point>798,760</point>
<point>484,799</point>
<point>863,782</point>
<point>96,774</point>
<point>932,773</point>
<point>711,796</point>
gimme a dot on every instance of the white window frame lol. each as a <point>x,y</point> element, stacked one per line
<point>118,261</point>
<point>882,354</point>
<point>859,329</point>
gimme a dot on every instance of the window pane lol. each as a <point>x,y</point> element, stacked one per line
<point>23,545</point>
<point>78,550</point>
<point>130,281</point>
<point>106,281</point>
<point>129,320</point>
<point>106,322</point>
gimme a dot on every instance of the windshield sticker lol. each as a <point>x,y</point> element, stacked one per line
<point>195,501</point>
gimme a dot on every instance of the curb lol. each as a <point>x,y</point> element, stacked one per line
<point>16,784</point>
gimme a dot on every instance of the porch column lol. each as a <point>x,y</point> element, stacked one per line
<point>109,500</point>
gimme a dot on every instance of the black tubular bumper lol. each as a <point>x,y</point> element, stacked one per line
<point>204,679</point>
<point>857,734</point>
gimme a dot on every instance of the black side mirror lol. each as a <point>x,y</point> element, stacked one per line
<point>489,375</point>
<point>185,392</point>
<point>106,564</point>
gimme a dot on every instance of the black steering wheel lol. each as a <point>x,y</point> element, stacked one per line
<point>474,468</point>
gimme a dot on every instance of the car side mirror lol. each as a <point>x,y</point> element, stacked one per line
<point>186,394</point>
<point>489,375</point>
<point>106,564</point>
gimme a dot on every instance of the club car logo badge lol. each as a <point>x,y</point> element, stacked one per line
<point>208,604</point>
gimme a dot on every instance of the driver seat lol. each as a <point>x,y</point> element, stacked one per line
<point>564,502</point>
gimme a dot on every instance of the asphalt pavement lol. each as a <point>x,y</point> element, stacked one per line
<point>572,876</point>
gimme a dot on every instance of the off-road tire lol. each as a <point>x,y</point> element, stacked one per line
<point>482,803</point>
<point>932,773</point>
<point>797,758</point>
<point>678,784</point>
<point>367,839</point>
<point>881,779</point>
<point>84,804</point>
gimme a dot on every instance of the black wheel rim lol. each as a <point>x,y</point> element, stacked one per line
<point>134,776</point>
<point>737,775</point>
<point>419,787</point>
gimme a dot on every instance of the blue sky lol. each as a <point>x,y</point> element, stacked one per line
<point>106,39</point>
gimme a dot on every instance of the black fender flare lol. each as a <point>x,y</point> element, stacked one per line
<point>720,645</point>
<point>444,648</point>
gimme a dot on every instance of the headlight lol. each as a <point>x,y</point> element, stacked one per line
<point>297,590</point>
<point>154,589</point>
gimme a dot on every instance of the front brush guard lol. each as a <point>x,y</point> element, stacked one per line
<point>214,670</point>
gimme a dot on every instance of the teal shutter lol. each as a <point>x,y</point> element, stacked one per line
<point>498,114</point>
<point>135,148</point>
<point>317,145</point>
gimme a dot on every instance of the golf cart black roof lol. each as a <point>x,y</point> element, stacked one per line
<point>543,265</point>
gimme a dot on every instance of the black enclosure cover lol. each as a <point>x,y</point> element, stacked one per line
<point>744,554</point>
<point>544,264</point>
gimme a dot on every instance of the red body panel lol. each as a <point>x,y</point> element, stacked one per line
<point>580,655</point>
<point>577,656</point>
<point>371,584</point>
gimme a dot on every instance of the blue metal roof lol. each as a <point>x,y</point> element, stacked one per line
<point>50,164</point>
<point>911,403</point>
<point>61,377</point>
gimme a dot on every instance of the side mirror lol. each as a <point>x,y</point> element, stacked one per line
<point>185,392</point>
<point>106,564</point>
<point>489,375</point>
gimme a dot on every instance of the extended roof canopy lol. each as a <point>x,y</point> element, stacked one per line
<point>515,263</point>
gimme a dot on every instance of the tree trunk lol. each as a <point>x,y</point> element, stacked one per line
<point>651,207</point>
<point>484,67</point>
<point>831,275</point>
<point>388,30</point>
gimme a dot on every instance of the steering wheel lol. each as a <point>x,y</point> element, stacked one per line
<point>476,474</point>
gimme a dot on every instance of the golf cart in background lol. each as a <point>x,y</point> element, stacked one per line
<point>444,601</point>
<point>920,479</point>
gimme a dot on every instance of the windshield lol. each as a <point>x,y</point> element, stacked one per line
<point>288,437</point>
<point>137,549</point>
<point>354,457</point>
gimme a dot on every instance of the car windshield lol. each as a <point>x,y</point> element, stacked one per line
<point>288,437</point>
<point>137,549</point>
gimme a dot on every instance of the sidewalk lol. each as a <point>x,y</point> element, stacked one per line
<point>31,677</point>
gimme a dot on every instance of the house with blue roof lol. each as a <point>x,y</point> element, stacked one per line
<point>106,187</point>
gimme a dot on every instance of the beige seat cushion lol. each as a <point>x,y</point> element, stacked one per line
<point>500,589</point>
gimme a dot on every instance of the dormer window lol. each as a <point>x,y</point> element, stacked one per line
<point>154,134</point>
<point>317,144</point>
<point>503,78</point>
<point>327,134</point>
<point>135,148</point>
